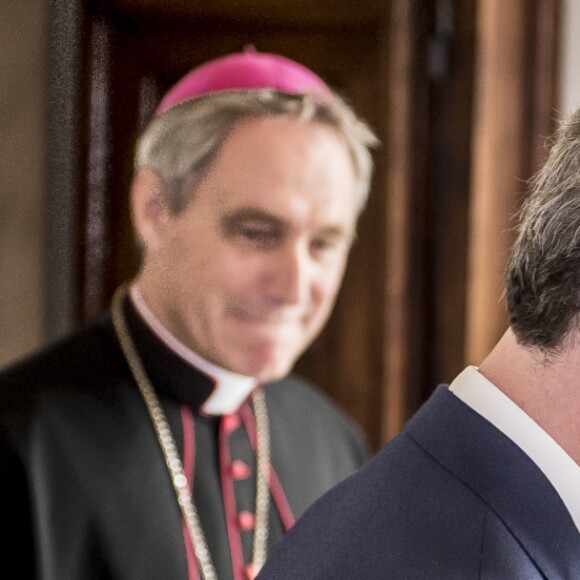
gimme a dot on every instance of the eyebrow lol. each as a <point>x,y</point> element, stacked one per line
<point>230,221</point>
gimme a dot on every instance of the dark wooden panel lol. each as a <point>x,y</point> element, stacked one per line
<point>401,347</point>
<point>544,44</point>
<point>64,169</point>
<point>297,12</point>
<point>451,85</point>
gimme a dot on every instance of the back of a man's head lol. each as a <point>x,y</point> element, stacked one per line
<point>543,278</point>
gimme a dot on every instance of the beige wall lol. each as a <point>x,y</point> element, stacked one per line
<point>23,75</point>
<point>570,48</point>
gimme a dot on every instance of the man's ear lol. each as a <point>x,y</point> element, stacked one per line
<point>149,208</point>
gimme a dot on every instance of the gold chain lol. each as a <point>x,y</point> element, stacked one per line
<point>175,466</point>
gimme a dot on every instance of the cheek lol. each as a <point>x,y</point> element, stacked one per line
<point>333,275</point>
<point>326,289</point>
<point>231,274</point>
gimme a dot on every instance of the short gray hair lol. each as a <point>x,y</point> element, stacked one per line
<point>543,276</point>
<point>181,144</point>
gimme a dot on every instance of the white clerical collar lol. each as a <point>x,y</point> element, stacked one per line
<point>231,390</point>
<point>487,400</point>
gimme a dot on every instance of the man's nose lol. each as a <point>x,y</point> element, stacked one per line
<point>290,275</point>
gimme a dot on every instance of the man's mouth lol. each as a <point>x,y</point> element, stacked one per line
<point>271,318</point>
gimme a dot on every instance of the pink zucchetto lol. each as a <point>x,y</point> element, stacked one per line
<point>248,70</point>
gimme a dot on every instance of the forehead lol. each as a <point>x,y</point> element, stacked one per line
<point>281,163</point>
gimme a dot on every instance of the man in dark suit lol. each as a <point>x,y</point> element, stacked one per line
<point>484,481</point>
<point>166,440</point>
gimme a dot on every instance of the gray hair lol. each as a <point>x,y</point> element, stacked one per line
<point>181,144</point>
<point>543,276</point>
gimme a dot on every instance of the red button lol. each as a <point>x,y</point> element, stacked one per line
<point>250,571</point>
<point>230,423</point>
<point>246,521</point>
<point>240,470</point>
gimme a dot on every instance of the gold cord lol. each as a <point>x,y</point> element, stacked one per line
<point>175,466</point>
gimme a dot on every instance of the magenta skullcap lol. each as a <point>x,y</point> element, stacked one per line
<point>248,70</point>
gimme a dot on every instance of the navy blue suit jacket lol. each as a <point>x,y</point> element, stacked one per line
<point>450,498</point>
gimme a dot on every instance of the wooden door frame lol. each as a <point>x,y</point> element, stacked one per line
<point>65,81</point>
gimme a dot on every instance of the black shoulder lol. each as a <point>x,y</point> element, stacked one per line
<point>68,361</point>
<point>298,400</point>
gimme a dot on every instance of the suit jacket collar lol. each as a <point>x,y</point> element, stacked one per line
<point>498,471</point>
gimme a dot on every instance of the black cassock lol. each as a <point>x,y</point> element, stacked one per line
<point>84,490</point>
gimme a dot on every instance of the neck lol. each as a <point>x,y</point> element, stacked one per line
<point>547,389</point>
<point>230,389</point>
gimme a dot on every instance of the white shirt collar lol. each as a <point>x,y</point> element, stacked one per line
<point>231,390</point>
<point>487,400</point>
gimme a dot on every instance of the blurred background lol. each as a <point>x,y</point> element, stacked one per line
<point>462,93</point>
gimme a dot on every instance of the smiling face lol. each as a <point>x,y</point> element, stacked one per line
<point>247,274</point>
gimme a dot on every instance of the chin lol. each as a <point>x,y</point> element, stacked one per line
<point>266,363</point>
<point>271,372</point>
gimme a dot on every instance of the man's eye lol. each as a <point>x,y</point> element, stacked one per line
<point>324,244</point>
<point>254,233</point>
<point>259,237</point>
<point>320,245</point>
